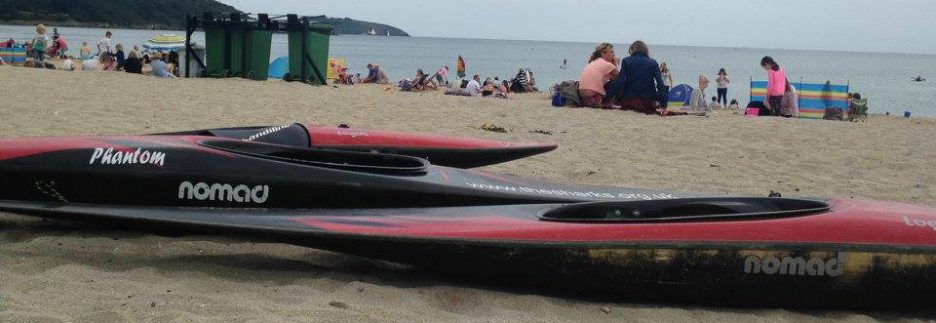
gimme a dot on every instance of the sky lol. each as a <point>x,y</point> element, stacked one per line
<point>903,26</point>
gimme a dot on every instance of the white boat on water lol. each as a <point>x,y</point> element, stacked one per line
<point>372,32</point>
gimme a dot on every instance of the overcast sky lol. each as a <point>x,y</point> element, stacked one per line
<point>907,26</point>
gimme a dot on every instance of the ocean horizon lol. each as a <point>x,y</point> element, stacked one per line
<point>883,78</point>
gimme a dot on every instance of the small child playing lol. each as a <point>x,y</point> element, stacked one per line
<point>120,56</point>
<point>69,64</point>
<point>734,105</point>
<point>107,61</point>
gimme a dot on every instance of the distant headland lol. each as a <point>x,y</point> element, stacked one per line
<point>163,14</point>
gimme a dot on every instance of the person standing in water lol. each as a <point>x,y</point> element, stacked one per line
<point>722,82</point>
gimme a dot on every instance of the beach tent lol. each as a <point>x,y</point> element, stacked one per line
<point>814,98</point>
<point>165,42</point>
<point>279,67</point>
<point>678,97</point>
<point>335,63</point>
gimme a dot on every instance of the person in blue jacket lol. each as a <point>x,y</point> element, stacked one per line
<point>639,85</point>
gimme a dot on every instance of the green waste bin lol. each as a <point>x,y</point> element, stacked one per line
<point>317,42</point>
<point>236,46</point>
<point>217,51</point>
<point>257,56</point>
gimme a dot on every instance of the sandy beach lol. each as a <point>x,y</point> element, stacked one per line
<point>52,271</point>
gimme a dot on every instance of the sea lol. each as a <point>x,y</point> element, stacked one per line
<point>884,78</point>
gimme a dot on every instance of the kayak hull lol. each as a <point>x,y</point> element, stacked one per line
<point>633,262</point>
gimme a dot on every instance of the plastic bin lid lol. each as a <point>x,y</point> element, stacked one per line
<point>321,27</point>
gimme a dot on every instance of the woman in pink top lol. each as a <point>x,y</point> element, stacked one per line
<point>776,84</point>
<point>601,68</point>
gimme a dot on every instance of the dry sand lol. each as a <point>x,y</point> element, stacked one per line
<point>53,271</point>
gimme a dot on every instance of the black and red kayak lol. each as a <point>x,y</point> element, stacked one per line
<point>602,241</point>
<point>440,150</point>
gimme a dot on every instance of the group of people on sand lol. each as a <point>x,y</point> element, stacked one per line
<point>640,84</point>
<point>524,81</point>
<point>636,84</point>
<point>375,74</point>
<point>108,56</point>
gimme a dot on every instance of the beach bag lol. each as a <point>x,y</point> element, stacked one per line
<point>569,92</point>
<point>834,114</point>
<point>761,108</point>
<point>405,85</point>
<point>558,100</point>
<point>752,112</point>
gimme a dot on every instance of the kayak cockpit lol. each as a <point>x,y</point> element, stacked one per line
<point>364,162</point>
<point>685,209</point>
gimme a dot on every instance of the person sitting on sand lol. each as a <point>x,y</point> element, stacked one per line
<point>601,69</point>
<point>107,61</point>
<point>422,81</point>
<point>133,64</point>
<point>120,57</point>
<point>371,74</point>
<point>160,68</point>
<point>789,105</point>
<point>172,62</point>
<point>500,90</point>
<point>375,75</point>
<point>68,64</point>
<point>734,104</point>
<point>84,52</point>
<point>639,86</point>
<point>697,101</point>
<point>474,86</point>
<point>488,88</point>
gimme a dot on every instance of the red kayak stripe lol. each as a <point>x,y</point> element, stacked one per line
<point>849,222</point>
<point>327,136</point>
